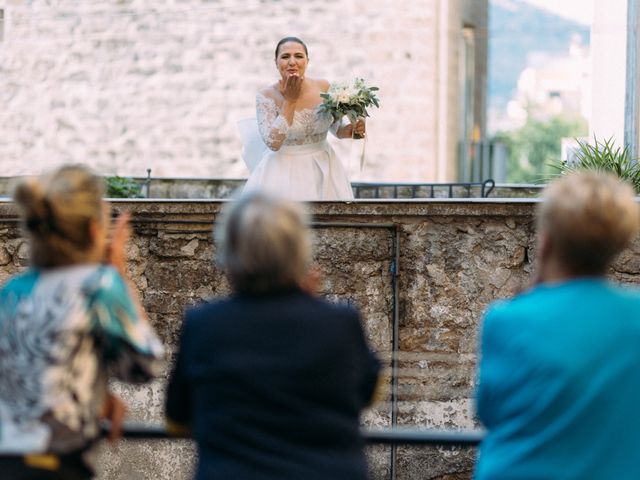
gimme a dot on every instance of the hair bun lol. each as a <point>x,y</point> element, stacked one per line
<point>30,196</point>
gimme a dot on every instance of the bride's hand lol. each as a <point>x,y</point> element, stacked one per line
<point>291,87</point>
<point>349,131</point>
<point>360,128</point>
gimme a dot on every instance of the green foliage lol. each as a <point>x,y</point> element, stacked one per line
<point>603,156</point>
<point>535,147</point>
<point>123,187</point>
<point>351,100</point>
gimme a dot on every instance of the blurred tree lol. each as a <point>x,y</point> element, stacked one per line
<point>535,147</point>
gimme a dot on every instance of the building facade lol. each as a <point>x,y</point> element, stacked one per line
<point>131,85</point>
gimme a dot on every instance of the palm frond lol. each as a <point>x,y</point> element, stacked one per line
<point>603,156</point>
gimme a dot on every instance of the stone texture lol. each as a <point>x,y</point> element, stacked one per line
<point>455,257</point>
<point>218,188</point>
<point>126,85</point>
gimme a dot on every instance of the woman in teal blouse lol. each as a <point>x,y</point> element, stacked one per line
<point>67,324</point>
<point>559,377</point>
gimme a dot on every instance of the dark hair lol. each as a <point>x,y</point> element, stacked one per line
<point>291,39</point>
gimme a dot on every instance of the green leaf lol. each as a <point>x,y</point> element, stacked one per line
<point>122,187</point>
<point>603,156</point>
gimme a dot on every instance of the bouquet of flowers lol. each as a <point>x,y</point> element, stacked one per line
<point>349,98</point>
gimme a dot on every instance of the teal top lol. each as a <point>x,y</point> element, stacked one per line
<point>63,331</point>
<point>559,384</point>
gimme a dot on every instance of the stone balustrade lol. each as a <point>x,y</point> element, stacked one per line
<point>218,188</point>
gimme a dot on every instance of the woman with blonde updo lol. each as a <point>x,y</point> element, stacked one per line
<point>559,382</point>
<point>64,323</point>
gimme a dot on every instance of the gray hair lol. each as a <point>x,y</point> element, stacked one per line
<point>264,244</point>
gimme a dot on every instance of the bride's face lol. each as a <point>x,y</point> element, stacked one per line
<point>291,60</point>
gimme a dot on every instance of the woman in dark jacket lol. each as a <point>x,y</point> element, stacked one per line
<point>272,380</point>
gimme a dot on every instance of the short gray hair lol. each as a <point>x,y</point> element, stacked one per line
<point>264,244</point>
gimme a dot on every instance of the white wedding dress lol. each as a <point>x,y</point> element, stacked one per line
<point>305,167</point>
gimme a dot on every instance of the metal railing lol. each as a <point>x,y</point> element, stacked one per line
<point>390,436</point>
<point>422,190</point>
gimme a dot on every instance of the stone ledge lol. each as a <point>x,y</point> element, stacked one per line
<point>398,211</point>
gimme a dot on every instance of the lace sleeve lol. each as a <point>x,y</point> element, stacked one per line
<point>273,127</point>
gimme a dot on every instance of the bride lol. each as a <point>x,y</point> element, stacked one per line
<point>298,164</point>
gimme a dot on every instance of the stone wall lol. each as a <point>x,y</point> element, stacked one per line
<point>127,85</point>
<point>219,188</point>
<point>454,258</point>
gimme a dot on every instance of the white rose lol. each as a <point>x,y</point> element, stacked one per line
<point>343,97</point>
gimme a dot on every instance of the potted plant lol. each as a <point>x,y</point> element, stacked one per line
<point>603,156</point>
<point>123,187</point>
